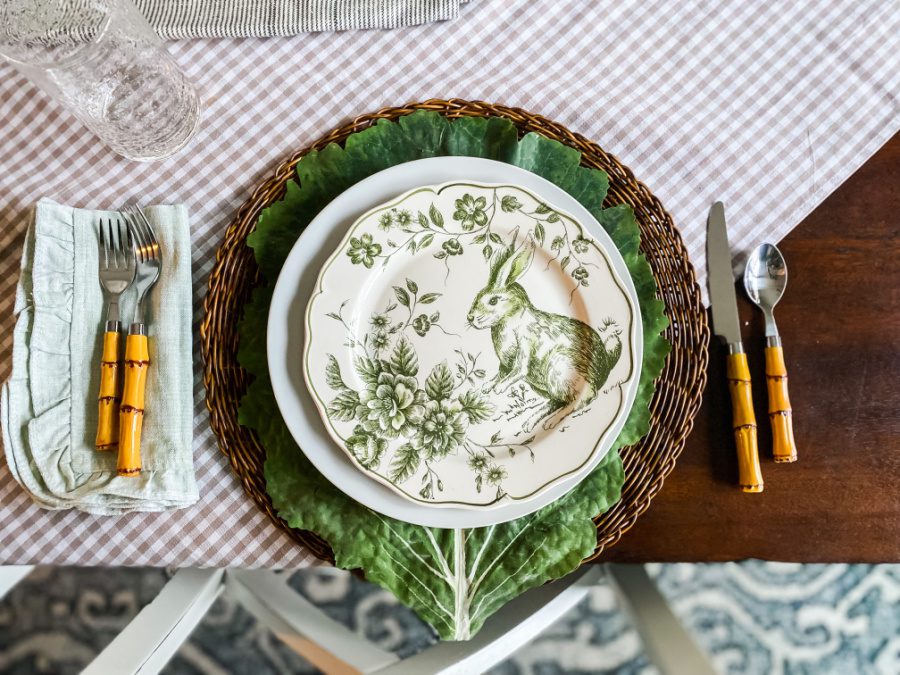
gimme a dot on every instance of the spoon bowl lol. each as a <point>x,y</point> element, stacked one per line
<point>765,278</point>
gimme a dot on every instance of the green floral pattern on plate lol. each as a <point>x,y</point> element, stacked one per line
<point>450,432</point>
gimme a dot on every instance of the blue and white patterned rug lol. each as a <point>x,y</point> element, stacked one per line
<point>751,617</point>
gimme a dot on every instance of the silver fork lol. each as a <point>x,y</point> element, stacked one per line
<point>149,261</point>
<point>116,267</point>
<point>116,272</point>
<point>137,354</point>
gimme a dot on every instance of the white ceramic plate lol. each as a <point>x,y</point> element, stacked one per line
<point>286,335</point>
<point>468,344</point>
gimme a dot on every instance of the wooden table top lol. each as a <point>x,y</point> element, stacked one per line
<point>840,325</point>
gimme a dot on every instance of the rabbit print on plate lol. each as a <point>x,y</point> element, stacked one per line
<point>469,344</point>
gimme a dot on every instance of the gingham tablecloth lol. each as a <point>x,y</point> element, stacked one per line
<point>767,106</point>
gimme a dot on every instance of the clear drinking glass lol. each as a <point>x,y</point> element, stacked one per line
<point>104,62</point>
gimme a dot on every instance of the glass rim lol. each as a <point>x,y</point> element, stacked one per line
<point>76,54</point>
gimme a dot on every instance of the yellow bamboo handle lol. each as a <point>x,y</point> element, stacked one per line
<point>131,418</point>
<point>744,421</point>
<point>108,398</point>
<point>783,446</point>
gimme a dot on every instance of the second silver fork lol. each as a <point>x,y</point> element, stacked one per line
<point>137,347</point>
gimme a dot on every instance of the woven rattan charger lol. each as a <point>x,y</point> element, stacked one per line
<point>678,390</point>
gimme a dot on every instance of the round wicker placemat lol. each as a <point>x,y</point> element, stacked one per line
<point>678,389</point>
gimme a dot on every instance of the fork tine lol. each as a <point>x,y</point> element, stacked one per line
<point>130,261</point>
<point>151,250</point>
<point>148,229</point>
<point>111,261</point>
<point>104,247</point>
<point>116,244</point>
<point>112,232</point>
<point>123,242</point>
<point>139,245</point>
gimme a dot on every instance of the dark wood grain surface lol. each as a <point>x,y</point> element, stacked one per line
<point>840,324</point>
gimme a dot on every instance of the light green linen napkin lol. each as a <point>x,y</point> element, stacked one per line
<point>48,407</point>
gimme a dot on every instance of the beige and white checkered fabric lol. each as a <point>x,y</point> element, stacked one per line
<point>767,106</point>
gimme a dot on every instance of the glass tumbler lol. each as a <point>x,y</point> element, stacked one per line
<point>102,61</point>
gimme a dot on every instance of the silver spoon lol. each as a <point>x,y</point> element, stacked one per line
<point>765,278</point>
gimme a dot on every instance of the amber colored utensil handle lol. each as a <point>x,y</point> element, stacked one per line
<point>131,417</point>
<point>108,398</point>
<point>783,447</point>
<point>744,421</point>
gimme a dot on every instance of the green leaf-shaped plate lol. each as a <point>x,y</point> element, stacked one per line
<point>453,578</point>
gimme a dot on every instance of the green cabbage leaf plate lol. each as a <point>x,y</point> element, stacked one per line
<point>453,579</point>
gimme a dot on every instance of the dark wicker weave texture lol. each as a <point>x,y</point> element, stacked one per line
<point>678,390</point>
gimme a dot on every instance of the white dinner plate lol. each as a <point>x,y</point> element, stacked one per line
<point>286,337</point>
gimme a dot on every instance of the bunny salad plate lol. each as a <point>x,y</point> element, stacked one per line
<point>471,345</point>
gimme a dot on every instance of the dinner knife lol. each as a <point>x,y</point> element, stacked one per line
<point>727,326</point>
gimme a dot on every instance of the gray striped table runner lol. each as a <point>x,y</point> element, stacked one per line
<point>180,19</point>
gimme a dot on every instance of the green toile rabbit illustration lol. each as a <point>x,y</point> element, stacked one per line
<point>563,359</point>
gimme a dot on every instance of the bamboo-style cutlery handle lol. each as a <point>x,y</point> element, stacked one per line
<point>137,363</point>
<point>128,254</point>
<point>744,421</point>
<point>108,398</point>
<point>783,447</point>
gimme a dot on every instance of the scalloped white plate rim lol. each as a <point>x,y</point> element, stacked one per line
<point>286,335</point>
<point>321,293</point>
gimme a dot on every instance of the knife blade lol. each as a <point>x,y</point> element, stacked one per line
<point>727,326</point>
<point>721,278</point>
